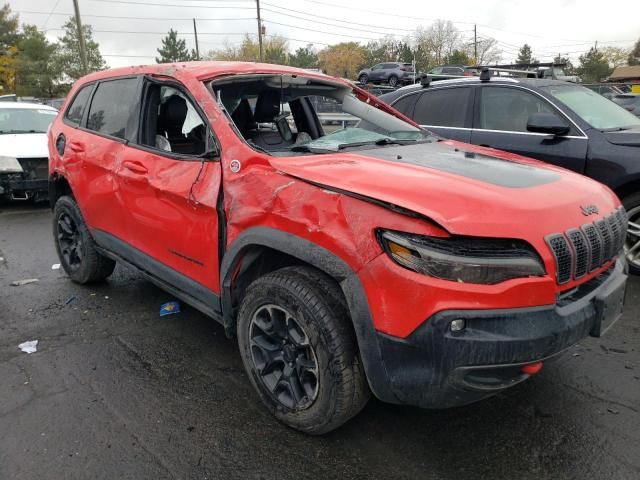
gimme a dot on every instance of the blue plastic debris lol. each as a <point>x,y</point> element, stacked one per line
<point>169,308</point>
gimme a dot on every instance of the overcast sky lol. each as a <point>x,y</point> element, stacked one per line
<point>549,26</point>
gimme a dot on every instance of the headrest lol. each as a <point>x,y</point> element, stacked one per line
<point>242,116</point>
<point>267,106</point>
<point>173,113</point>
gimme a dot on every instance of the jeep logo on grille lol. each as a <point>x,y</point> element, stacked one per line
<point>589,209</point>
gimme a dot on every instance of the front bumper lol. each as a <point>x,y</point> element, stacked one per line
<point>15,187</point>
<point>437,368</point>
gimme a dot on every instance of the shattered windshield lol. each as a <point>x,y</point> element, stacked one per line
<point>25,120</point>
<point>287,115</point>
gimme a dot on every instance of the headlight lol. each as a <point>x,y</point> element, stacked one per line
<point>463,259</point>
<point>10,165</point>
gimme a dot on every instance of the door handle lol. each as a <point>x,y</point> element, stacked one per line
<point>135,167</point>
<point>77,147</point>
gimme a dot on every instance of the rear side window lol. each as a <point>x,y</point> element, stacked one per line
<point>445,108</point>
<point>75,110</point>
<point>112,106</point>
<point>406,104</point>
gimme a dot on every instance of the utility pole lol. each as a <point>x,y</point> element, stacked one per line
<point>83,49</point>
<point>596,47</point>
<point>195,33</point>
<point>259,31</point>
<point>475,43</point>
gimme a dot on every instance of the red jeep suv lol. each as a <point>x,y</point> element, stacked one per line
<point>372,258</point>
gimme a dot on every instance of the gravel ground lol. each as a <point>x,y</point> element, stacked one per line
<point>115,391</point>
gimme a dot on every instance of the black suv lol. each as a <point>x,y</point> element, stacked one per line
<point>558,122</point>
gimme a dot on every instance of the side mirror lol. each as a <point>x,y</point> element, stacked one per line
<point>547,123</point>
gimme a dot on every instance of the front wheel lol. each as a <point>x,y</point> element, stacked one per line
<point>299,350</point>
<point>632,243</point>
<point>393,81</point>
<point>363,79</point>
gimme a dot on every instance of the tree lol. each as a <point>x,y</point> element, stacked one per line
<point>459,57</point>
<point>488,51</point>
<point>616,56</point>
<point>68,54</point>
<point>8,38</point>
<point>594,67</point>
<point>304,57</point>
<point>634,56</point>
<point>174,50</point>
<point>525,55</point>
<point>37,69</point>
<point>342,60</point>
<point>387,49</point>
<point>274,47</point>
<point>568,68</point>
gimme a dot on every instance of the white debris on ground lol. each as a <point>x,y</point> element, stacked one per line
<point>26,281</point>
<point>29,347</point>
<point>55,266</point>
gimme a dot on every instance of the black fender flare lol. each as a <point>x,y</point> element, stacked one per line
<point>329,263</point>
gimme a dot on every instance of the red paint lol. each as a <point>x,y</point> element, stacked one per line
<point>148,201</point>
<point>532,368</point>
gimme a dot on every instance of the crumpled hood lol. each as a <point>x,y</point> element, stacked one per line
<point>24,145</point>
<point>468,190</point>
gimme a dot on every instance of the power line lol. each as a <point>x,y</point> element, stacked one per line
<point>127,2</point>
<point>121,17</point>
<point>321,31</point>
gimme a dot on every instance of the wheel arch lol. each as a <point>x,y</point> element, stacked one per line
<point>281,249</point>
<point>58,187</point>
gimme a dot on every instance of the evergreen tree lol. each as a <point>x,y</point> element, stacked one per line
<point>304,57</point>
<point>525,55</point>
<point>569,69</point>
<point>594,67</point>
<point>38,71</point>
<point>174,50</point>
<point>634,56</point>
<point>8,38</point>
<point>68,55</point>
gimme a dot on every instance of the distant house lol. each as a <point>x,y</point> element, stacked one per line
<point>626,74</point>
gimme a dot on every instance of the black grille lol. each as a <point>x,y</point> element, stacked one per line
<point>580,251</point>
<point>595,244</point>
<point>562,254</point>
<point>35,168</point>
<point>583,250</point>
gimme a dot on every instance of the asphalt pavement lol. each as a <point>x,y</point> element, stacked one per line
<point>116,391</point>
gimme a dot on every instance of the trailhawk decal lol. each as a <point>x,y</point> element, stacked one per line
<point>496,171</point>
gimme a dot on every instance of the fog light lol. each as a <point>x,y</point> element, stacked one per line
<point>458,325</point>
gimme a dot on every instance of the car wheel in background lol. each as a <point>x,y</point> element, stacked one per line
<point>632,244</point>
<point>393,81</point>
<point>75,245</point>
<point>299,349</point>
<point>363,79</point>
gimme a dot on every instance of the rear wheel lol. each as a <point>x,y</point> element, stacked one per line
<point>363,79</point>
<point>393,81</point>
<point>75,245</point>
<point>632,244</point>
<point>299,350</point>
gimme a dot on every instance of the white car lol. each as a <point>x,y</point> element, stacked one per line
<point>23,150</point>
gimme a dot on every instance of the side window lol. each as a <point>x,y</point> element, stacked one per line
<point>112,106</point>
<point>390,66</point>
<point>508,109</point>
<point>443,107</point>
<point>172,123</point>
<point>75,110</point>
<point>406,104</point>
<point>377,67</point>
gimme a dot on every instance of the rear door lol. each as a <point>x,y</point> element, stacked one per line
<point>500,121</point>
<point>169,178</point>
<point>446,111</point>
<point>93,149</point>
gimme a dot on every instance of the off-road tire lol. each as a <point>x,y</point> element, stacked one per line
<point>393,81</point>
<point>93,267</point>
<point>363,79</point>
<point>316,303</point>
<point>631,204</point>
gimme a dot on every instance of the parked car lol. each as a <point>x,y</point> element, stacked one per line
<point>558,122</point>
<point>454,70</point>
<point>392,73</point>
<point>629,101</point>
<point>23,150</point>
<point>431,273</point>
